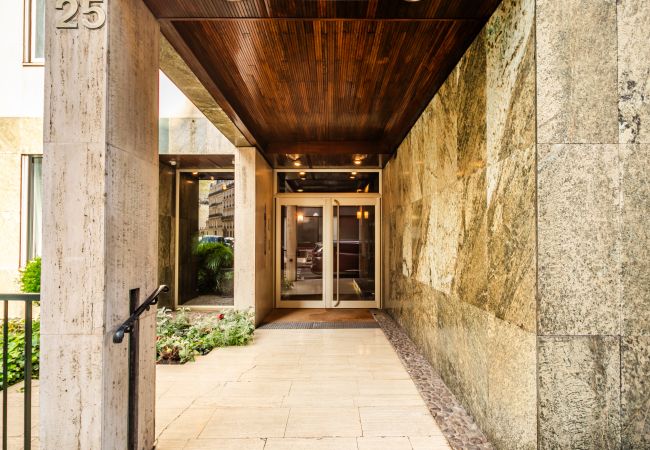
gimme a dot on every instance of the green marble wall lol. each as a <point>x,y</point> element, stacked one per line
<point>459,229</point>
<point>593,115</point>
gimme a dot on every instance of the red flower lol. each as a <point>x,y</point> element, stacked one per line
<point>221,316</point>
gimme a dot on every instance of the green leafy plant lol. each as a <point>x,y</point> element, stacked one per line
<point>16,350</point>
<point>30,276</point>
<point>214,260</point>
<point>181,337</point>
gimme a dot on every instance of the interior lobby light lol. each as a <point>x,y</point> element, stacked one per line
<point>353,173</point>
<point>297,163</point>
<point>357,162</point>
<point>224,186</point>
<point>300,190</point>
<point>302,174</point>
<point>172,162</point>
<point>195,173</point>
<point>365,214</point>
<point>359,214</point>
<point>300,217</point>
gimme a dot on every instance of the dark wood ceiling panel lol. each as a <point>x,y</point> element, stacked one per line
<point>323,81</point>
<point>324,9</point>
<point>326,78</point>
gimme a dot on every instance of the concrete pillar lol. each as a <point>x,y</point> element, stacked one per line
<point>99,220</point>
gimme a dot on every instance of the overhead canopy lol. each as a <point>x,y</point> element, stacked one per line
<point>322,77</point>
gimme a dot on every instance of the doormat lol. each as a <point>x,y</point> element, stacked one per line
<point>316,325</point>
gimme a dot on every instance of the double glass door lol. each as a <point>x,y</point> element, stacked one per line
<point>327,252</point>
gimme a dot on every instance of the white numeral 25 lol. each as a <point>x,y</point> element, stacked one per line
<point>93,15</point>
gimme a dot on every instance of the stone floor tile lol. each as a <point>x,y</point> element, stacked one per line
<point>311,444</point>
<point>383,443</point>
<point>323,422</point>
<point>225,444</point>
<point>429,443</point>
<point>246,422</point>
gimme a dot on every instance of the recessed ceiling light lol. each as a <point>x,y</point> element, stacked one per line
<point>302,174</point>
<point>195,173</point>
<point>300,190</point>
<point>297,163</point>
<point>353,173</point>
<point>357,162</point>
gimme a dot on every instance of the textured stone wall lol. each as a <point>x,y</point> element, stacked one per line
<point>593,110</point>
<point>100,184</point>
<point>459,229</point>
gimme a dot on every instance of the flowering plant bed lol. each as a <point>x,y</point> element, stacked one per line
<point>180,336</point>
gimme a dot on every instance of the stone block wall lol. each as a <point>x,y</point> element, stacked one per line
<point>593,152</point>
<point>459,229</point>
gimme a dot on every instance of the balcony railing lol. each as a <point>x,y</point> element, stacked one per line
<point>28,300</point>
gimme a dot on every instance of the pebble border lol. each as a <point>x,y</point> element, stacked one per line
<point>456,424</point>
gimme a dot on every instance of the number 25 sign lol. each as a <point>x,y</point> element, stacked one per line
<point>90,13</point>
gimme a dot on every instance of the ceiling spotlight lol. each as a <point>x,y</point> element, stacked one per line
<point>297,163</point>
<point>300,190</point>
<point>352,177</point>
<point>302,174</point>
<point>353,173</point>
<point>172,162</point>
<point>357,162</point>
<point>195,173</point>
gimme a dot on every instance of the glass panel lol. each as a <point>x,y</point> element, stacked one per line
<point>356,253</point>
<point>206,248</point>
<point>35,207</point>
<point>38,28</point>
<point>312,182</point>
<point>302,253</point>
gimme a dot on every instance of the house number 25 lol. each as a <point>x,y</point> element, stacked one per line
<point>90,13</point>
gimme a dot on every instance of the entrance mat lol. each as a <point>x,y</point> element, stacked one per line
<point>456,424</point>
<point>316,325</point>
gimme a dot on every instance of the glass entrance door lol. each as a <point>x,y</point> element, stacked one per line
<point>327,252</point>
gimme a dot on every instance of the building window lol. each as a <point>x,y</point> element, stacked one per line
<point>34,47</point>
<point>32,207</point>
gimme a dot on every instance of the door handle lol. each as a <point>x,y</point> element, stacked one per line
<point>338,250</point>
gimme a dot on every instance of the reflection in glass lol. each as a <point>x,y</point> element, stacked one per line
<point>301,239</point>
<point>206,246</point>
<point>354,253</point>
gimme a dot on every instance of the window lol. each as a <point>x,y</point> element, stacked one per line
<point>32,217</point>
<point>34,46</point>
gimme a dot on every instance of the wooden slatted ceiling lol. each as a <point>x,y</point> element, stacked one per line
<point>325,76</point>
<point>346,9</point>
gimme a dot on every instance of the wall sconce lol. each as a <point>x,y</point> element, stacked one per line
<point>301,217</point>
<point>365,215</point>
<point>359,215</point>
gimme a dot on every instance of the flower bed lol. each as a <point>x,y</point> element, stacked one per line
<point>181,336</point>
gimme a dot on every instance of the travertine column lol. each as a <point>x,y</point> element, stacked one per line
<point>245,227</point>
<point>99,220</point>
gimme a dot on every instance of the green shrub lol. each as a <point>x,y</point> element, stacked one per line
<point>16,350</point>
<point>181,337</point>
<point>30,276</point>
<point>214,260</point>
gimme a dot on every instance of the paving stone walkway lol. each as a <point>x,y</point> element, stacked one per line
<point>294,389</point>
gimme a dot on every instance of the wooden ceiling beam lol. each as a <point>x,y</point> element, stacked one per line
<point>169,31</point>
<point>319,19</point>
<point>327,148</point>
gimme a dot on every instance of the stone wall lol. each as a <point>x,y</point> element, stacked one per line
<point>459,229</point>
<point>593,152</point>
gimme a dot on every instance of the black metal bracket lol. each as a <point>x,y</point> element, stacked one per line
<point>127,326</point>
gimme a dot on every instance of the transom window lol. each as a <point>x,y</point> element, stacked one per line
<point>34,45</point>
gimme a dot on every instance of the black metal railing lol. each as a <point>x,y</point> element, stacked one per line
<point>28,300</point>
<point>130,326</point>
